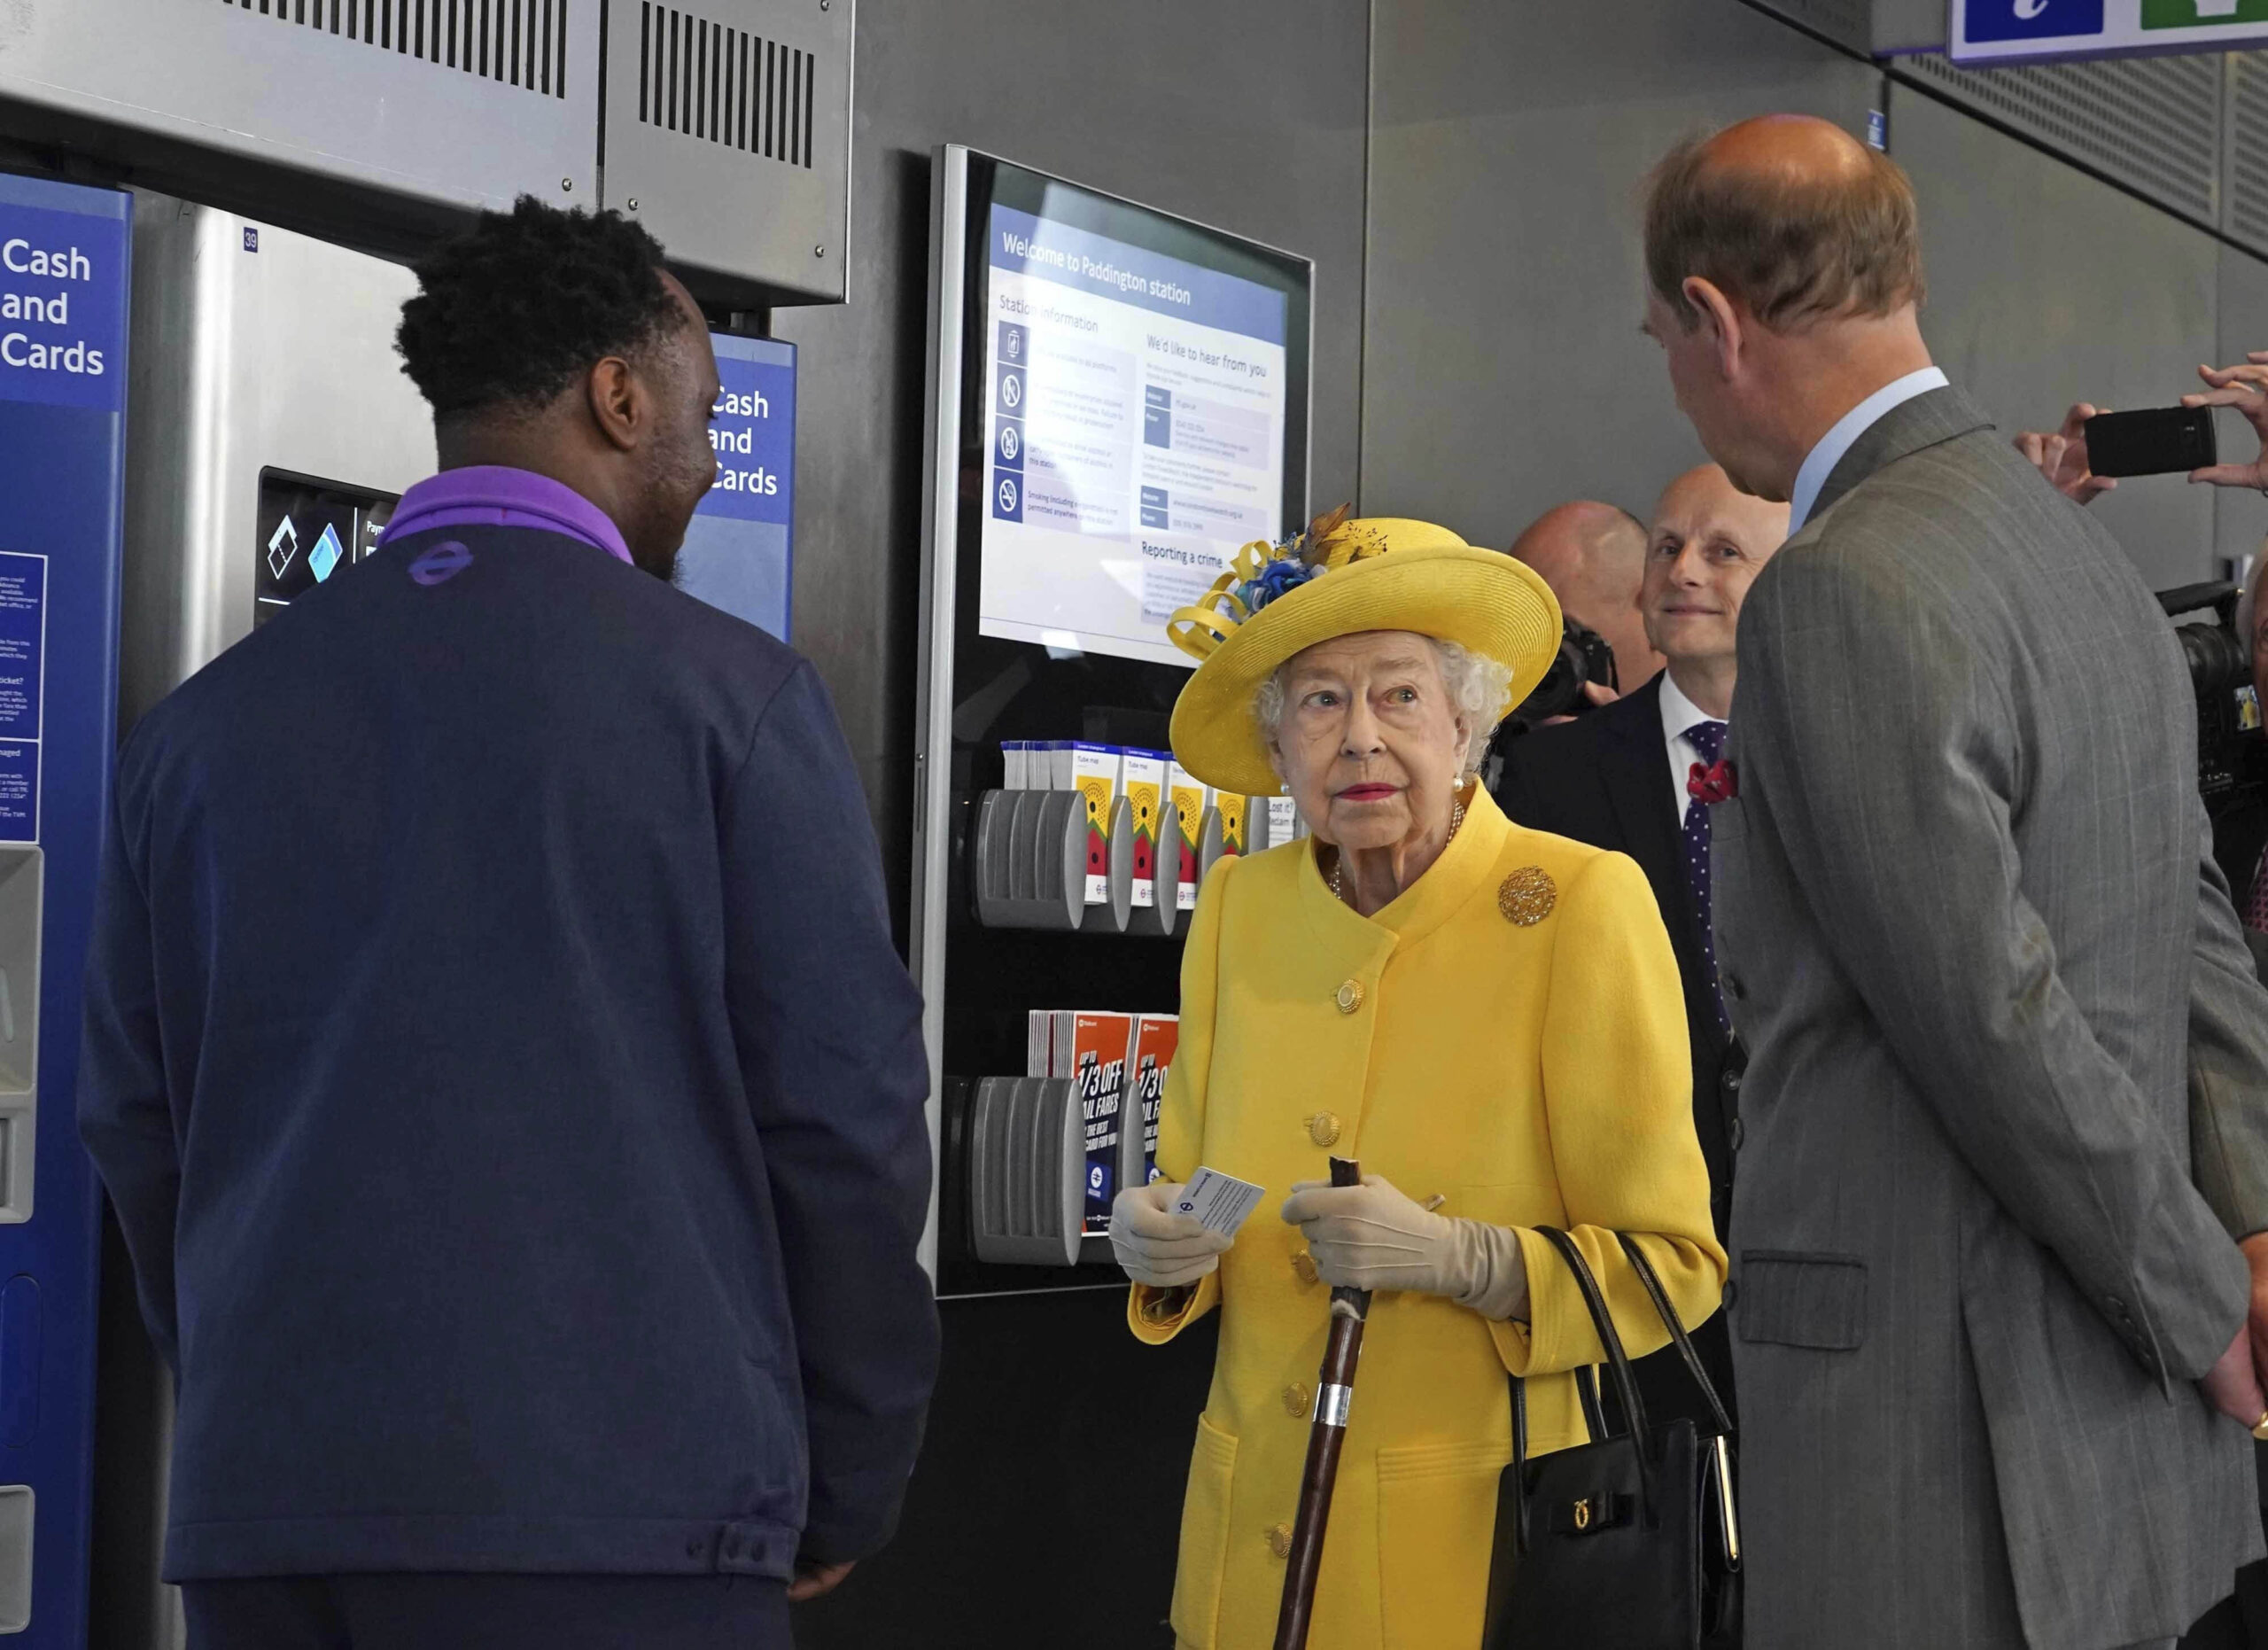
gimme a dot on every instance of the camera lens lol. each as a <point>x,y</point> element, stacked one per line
<point>1562,687</point>
<point>2216,660</point>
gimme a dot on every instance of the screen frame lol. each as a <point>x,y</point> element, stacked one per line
<point>993,181</point>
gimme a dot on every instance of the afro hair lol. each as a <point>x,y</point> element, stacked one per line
<point>512,312</point>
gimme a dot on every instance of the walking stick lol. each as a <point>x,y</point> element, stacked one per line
<point>1334,1394</point>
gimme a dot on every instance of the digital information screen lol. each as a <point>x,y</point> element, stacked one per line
<point>308,530</point>
<point>1136,413</point>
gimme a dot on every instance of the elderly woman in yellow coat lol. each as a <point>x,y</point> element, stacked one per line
<point>1487,1018</point>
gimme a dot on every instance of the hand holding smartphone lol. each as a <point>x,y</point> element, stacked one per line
<point>2161,441</point>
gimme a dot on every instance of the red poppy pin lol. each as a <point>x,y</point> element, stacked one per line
<point>1720,782</point>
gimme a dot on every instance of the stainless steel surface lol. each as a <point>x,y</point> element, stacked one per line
<point>2048,287</point>
<point>279,358</point>
<point>728,124</point>
<point>933,737</point>
<point>378,94</point>
<point>1503,371</point>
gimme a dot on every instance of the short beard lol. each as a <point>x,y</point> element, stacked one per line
<point>662,564</point>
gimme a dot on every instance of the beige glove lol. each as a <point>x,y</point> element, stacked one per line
<point>1156,1245</point>
<point>1371,1237</point>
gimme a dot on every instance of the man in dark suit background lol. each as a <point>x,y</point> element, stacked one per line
<point>1617,778</point>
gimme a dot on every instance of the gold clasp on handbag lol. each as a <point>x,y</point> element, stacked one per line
<point>1583,1514</point>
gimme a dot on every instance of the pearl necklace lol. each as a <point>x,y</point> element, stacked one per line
<point>1338,864</point>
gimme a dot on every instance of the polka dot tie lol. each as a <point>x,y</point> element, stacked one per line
<point>1709,739</point>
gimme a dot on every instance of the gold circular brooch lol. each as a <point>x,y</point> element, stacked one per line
<point>1526,896</point>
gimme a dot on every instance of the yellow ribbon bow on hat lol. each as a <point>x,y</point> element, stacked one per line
<point>1200,627</point>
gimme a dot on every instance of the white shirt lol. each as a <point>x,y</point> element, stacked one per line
<point>1839,441</point>
<point>1678,714</point>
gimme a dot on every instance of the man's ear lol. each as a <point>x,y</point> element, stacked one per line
<point>1716,317</point>
<point>617,402</point>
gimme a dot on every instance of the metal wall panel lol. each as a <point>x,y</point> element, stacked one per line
<point>1868,25</point>
<point>729,133</point>
<point>2153,124</point>
<point>2244,188</point>
<point>1258,129</point>
<point>424,103</point>
<point>2048,286</point>
<point>1503,371</point>
<point>1248,116</point>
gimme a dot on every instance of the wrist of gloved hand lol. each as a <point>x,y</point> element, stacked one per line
<point>1493,1269</point>
<point>1156,1245</point>
<point>1372,1237</point>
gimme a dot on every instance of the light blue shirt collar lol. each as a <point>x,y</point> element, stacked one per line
<point>1845,434</point>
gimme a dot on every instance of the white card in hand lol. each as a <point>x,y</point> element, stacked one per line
<point>1219,1202</point>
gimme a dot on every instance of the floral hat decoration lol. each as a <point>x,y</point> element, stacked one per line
<point>1344,574</point>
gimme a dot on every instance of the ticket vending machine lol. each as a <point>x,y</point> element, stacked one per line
<point>64,257</point>
<point>270,431</point>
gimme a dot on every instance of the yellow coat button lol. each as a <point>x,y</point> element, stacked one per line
<point>1303,1267</point>
<point>1279,1540</point>
<point>1323,1128</point>
<point>1350,997</point>
<point>1295,1401</point>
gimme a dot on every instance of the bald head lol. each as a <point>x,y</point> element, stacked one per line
<point>1594,558</point>
<point>1783,263</point>
<point>1794,148</point>
<point>1789,216</point>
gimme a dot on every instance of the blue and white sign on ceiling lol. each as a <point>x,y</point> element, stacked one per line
<point>2011,31</point>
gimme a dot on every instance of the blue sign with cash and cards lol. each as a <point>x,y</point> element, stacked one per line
<point>738,551</point>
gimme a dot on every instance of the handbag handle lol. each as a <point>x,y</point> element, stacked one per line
<point>1625,1384</point>
<point>1675,1325</point>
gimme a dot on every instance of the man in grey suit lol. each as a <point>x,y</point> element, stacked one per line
<point>1990,1335</point>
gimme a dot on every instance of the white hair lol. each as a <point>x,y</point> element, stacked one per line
<point>1477,684</point>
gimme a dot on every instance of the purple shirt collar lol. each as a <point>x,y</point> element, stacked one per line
<point>496,495</point>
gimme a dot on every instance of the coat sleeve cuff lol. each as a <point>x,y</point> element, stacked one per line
<point>1156,1315</point>
<point>1534,1347</point>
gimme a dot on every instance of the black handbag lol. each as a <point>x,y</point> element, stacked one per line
<point>1630,1541</point>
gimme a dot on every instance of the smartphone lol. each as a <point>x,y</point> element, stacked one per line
<point>2163,440</point>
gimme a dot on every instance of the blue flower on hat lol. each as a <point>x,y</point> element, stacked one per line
<point>1285,574</point>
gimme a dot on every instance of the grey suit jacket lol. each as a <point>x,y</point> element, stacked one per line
<point>1965,920</point>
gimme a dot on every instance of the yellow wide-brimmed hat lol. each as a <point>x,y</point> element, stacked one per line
<point>1339,576</point>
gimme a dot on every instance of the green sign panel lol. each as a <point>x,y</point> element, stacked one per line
<point>2202,13</point>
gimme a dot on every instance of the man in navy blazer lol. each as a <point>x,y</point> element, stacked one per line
<point>496,1050</point>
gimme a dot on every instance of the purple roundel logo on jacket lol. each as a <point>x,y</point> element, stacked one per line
<point>440,564</point>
